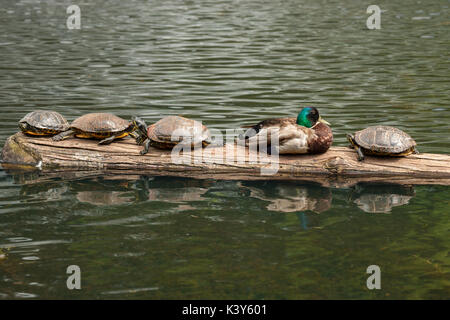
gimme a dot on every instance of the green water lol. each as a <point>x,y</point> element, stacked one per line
<point>225,63</point>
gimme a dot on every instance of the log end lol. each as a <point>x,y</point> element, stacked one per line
<point>15,152</point>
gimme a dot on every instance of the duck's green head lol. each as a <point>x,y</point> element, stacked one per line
<point>309,116</point>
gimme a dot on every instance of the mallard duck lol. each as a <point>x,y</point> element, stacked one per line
<point>308,133</point>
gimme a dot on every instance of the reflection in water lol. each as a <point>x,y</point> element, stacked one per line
<point>182,195</point>
<point>133,223</point>
<point>290,197</point>
<point>143,189</point>
<point>381,198</point>
<point>103,197</point>
<point>3,253</point>
<point>174,190</point>
<point>49,191</point>
<point>110,190</point>
<point>281,196</point>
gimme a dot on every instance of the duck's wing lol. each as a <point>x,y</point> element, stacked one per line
<point>286,136</point>
<point>283,130</point>
<point>269,124</point>
<point>294,139</point>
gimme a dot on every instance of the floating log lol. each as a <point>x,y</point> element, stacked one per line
<point>338,167</point>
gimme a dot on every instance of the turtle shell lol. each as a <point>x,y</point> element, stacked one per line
<point>173,129</point>
<point>100,123</point>
<point>384,139</point>
<point>45,121</point>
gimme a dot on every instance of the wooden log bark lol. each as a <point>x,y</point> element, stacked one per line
<point>338,167</point>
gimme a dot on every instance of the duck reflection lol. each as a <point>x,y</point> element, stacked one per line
<point>381,198</point>
<point>291,197</point>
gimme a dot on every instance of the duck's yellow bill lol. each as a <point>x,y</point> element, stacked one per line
<point>324,121</point>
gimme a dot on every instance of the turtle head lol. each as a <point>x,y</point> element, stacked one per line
<point>139,125</point>
<point>309,117</point>
<point>23,126</point>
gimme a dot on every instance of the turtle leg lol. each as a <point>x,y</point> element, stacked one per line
<point>355,146</point>
<point>140,140</point>
<point>415,151</point>
<point>63,135</point>
<point>139,137</point>
<point>146,147</point>
<point>133,134</point>
<point>360,153</point>
<point>108,140</point>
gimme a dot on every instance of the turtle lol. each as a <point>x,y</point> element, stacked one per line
<point>104,126</point>
<point>43,123</point>
<point>382,141</point>
<point>170,131</point>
